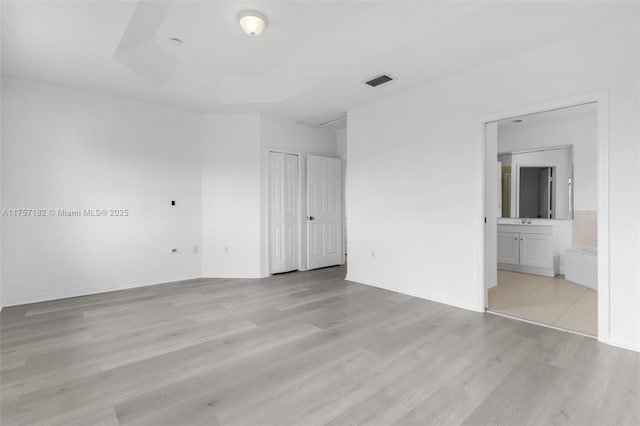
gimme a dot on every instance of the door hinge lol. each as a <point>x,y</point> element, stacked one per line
<point>485,220</point>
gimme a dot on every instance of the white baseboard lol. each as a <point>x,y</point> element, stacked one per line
<point>623,345</point>
<point>76,292</point>
<point>419,296</point>
<point>547,272</point>
<point>231,274</point>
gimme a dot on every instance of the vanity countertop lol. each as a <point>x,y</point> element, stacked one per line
<point>515,221</point>
<point>533,228</point>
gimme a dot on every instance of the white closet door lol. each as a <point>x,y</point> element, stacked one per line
<point>324,210</point>
<point>291,213</point>
<point>283,212</point>
<point>277,211</point>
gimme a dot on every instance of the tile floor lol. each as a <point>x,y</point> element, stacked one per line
<point>552,301</point>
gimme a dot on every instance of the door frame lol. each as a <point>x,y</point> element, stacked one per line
<point>601,99</point>
<point>266,244</point>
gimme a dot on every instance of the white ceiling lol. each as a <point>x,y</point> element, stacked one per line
<point>311,60</point>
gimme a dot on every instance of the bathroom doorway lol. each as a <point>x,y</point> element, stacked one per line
<point>542,201</point>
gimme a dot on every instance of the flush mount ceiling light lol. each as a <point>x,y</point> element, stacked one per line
<point>252,22</point>
<point>176,41</point>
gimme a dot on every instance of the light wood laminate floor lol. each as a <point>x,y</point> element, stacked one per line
<point>553,301</point>
<point>299,349</point>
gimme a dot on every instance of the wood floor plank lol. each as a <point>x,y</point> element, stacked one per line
<point>300,348</point>
<point>518,396</point>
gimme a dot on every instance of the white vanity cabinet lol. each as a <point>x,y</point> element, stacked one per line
<point>509,248</point>
<point>526,248</point>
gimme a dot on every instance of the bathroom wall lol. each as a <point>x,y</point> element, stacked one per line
<point>585,227</point>
<point>574,126</point>
<point>578,129</point>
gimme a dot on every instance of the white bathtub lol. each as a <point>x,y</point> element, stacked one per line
<point>581,266</point>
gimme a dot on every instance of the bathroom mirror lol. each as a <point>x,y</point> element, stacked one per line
<point>536,183</point>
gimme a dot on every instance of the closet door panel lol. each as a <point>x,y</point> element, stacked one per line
<point>277,212</point>
<point>291,212</point>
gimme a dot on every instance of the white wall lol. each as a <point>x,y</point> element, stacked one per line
<point>69,149</point>
<point>341,149</point>
<point>1,202</point>
<point>341,143</point>
<point>491,213</point>
<point>1,198</point>
<point>415,158</point>
<point>231,188</point>
<point>282,133</point>
<point>579,130</point>
<point>235,185</point>
<point>279,133</point>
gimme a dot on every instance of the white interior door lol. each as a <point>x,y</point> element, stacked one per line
<point>283,212</point>
<point>324,211</point>
<point>291,212</point>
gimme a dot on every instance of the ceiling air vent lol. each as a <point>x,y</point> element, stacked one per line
<point>381,79</point>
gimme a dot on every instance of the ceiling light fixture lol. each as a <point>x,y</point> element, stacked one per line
<point>517,121</point>
<point>252,22</point>
<point>176,41</point>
